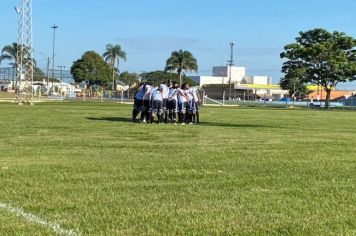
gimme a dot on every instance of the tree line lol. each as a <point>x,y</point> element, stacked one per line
<point>103,70</point>
<point>318,57</point>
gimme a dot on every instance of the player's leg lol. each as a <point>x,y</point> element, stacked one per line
<point>189,113</point>
<point>183,112</point>
<point>148,106</point>
<point>175,111</point>
<point>154,110</point>
<point>143,112</point>
<point>170,111</point>
<point>136,109</point>
<point>197,113</point>
<point>160,114</point>
<point>193,110</point>
<point>165,110</point>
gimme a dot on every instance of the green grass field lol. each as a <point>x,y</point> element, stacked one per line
<point>244,171</point>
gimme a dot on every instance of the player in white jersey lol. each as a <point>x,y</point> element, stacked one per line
<point>146,112</point>
<point>173,102</point>
<point>157,105</point>
<point>194,105</point>
<point>183,99</point>
<point>164,88</point>
<point>138,102</point>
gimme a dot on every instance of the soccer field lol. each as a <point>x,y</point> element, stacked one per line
<point>84,169</point>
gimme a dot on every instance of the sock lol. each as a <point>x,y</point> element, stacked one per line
<point>134,114</point>
<point>189,119</point>
<point>143,115</point>
<point>183,117</point>
<point>166,117</point>
<point>197,117</point>
<point>149,116</point>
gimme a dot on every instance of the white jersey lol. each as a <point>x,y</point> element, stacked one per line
<point>148,90</point>
<point>173,94</point>
<point>194,93</point>
<point>165,91</point>
<point>182,95</point>
<point>156,95</point>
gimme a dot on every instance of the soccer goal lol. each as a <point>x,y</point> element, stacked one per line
<point>212,102</point>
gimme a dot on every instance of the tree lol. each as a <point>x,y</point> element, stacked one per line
<point>295,86</point>
<point>38,74</point>
<point>10,53</point>
<point>322,58</point>
<point>91,67</point>
<point>129,79</point>
<point>112,56</point>
<point>160,77</point>
<point>181,61</point>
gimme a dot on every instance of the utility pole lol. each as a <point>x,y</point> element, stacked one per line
<point>231,64</point>
<point>48,62</point>
<point>54,27</point>
<point>24,91</point>
<point>61,76</point>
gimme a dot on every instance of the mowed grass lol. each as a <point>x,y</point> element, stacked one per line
<point>243,171</point>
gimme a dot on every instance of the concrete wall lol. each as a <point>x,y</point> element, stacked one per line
<point>237,73</point>
<point>204,80</point>
<point>257,80</point>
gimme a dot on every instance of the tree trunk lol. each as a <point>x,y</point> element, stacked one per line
<point>113,80</point>
<point>181,74</point>
<point>327,100</point>
<point>13,86</point>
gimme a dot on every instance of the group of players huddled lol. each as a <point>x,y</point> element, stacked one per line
<point>169,103</point>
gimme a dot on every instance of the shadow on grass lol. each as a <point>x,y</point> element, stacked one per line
<point>111,119</point>
<point>227,125</point>
<point>206,124</point>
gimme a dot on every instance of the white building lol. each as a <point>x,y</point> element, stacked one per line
<point>221,75</point>
<point>242,83</point>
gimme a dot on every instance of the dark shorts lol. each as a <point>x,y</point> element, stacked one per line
<point>183,107</point>
<point>146,105</point>
<point>157,107</point>
<point>138,104</point>
<point>172,105</point>
<point>193,107</point>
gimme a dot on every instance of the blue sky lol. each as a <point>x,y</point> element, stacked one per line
<point>150,29</point>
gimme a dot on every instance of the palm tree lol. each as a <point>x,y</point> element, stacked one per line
<point>181,61</point>
<point>9,53</point>
<point>112,56</point>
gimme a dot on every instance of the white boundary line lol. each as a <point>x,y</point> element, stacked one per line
<point>37,220</point>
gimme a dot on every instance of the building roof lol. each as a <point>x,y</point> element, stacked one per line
<point>333,96</point>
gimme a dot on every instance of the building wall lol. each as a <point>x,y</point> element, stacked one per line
<point>257,80</point>
<point>237,73</point>
<point>205,80</point>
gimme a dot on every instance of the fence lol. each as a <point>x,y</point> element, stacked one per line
<point>9,73</point>
<point>207,101</point>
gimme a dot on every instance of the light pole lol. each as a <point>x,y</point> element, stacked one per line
<point>54,27</point>
<point>61,76</point>
<point>231,63</point>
